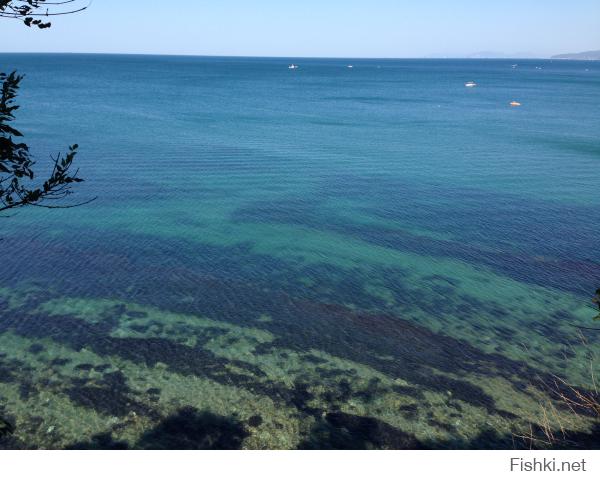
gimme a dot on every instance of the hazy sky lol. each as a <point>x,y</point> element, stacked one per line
<point>340,28</point>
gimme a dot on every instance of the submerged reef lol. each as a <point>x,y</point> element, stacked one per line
<point>100,374</point>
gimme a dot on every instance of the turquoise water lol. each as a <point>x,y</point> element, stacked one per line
<point>375,257</point>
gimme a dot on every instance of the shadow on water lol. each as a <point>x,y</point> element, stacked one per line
<point>342,431</point>
<point>6,427</point>
<point>191,429</point>
<point>186,429</point>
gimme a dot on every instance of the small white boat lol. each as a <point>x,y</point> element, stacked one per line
<point>515,104</point>
<point>470,84</point>
<point>293,67</point>
<point>350,66</point>
<point>515,65</point>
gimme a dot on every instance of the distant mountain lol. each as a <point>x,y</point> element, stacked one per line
<point>486,54</point>
<point>593,55</point>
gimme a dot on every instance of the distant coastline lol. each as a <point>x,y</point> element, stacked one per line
<point>591,55</point>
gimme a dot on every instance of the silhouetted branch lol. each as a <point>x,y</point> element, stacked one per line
<point>29,11</point>
<point>16,164</point>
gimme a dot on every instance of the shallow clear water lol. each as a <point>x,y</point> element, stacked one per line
<point>375,257</point>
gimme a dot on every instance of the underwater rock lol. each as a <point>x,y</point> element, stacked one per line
<point>60,362</point>
<point>86,367</point>
<point>300,396</point>
<point>36,348</point>
<point>136,314</point>
<point>27,389</point>
<point>110,395</point>
<point>7,369</point>
<point>255,421</point>
<point>139,328</point>
<point>341,392</point>
<point>409,411</point>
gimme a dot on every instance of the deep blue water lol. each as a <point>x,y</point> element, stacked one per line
<point>346,205</point>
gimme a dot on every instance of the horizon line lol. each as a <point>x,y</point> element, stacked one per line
<point>279,56</point>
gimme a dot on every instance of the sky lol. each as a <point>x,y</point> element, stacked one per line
<point>318,28</point>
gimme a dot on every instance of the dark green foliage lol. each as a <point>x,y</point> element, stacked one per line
<point>31,11</point>
<point>16,163</point>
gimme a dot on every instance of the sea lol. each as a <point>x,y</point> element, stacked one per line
<point>375,257</point>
